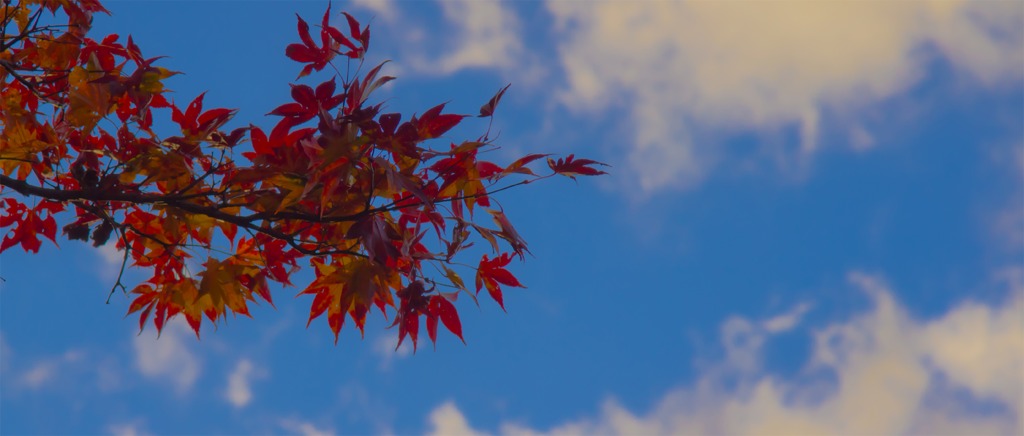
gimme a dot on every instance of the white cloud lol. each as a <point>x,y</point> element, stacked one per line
<point>887,374</point>
<point>697,68</point>
<point>786,322</point>
<point>65,372</point>
<point>39,374</point>
<point>167,357</point>
<point>385,9</point>
<point>1006,224</point>
<point>860,139</point>
<point>5,354</point>
<point>961,345</point>
<point>45,372</point>
<point>111,260</point>
<point>126,429</point>
<point>108,374</point>
<point>239,392</point>
<point>487,36</point>
<point>446,419</point>
<point>384,347</point>
<point>303,428</point>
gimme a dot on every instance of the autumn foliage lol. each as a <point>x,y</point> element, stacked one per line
<point>380,213</point>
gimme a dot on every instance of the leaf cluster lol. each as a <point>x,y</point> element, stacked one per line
<point>219,215</point>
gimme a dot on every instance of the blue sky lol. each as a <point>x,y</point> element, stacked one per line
<point>814,223</point>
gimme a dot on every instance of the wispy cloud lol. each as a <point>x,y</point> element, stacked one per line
<point>1006,223</point>
<point>5,354</point>
<point>168,358</point>
<point>239,391</point>
<point>67,372</point>
<point>880,372</point>
<point>384,9</point>
<point>110,260</point>
<point>294,426</point>
<point>485,35</point>
<point>127,429</point>
<point>385,348</point>
<point>38,375</point>
<point>46,372</point>
<point>787,321</point>
<point>446,419</point>
<point>687,71</point>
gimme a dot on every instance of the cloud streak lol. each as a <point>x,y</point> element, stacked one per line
<point>126,429</point>
<point>239,389</point>
<point>880,372</point>
<point>294,426</point>
<point>487,35</point>
<point>48,372</point>
<point>110,261</point>
<point>167,358</point>
<point>387,349</point>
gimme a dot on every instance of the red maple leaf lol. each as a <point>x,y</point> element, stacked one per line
<point>309,103</point>
<point>433,123</point>
<point>308,52</point>
<point>440,307</point>
<point>492,274</point>
<point>317,56</point>
<point>195,121</point>
<point>572,168</point>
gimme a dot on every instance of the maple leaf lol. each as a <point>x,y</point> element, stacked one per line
<point>164,303</point>
<point>509,233</point>
<point>359,91</point>
<point>519,166</point>
<point>88,101</point>
<point>197,125</point>
<point>353,27</point>
<point>145,299</point>
<point>376,234</point>
<point>440,307</point>
<point>309,103</point>
<point>338,37</point>
<point>433,124</point>
<point>413,304</point>
<point>492,274</point>
<point>104,51</point>
<point>486,170</point>
<point>316,57</point>
<point>345,288</point>
<point>280,136</point>
<point>488,108</point>
<point>28,224</point>
<point>572,168</point>
<point>220,287</point>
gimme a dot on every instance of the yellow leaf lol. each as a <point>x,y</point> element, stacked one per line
<point>88,102</point>
<point>453,277</point>
<point>21,13</point>
<point>220,281</point>
<point>18,137</point>
<point>201,226</point>
<point>291,186</point>
<point>152,80</point>
<point>57,54</point>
